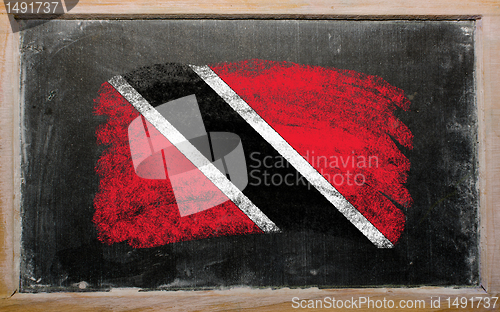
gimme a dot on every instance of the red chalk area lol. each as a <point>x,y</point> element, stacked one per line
<point>333,113</point>
<point>336,114</point>
<point>141,211</point>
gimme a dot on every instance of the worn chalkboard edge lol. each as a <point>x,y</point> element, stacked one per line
<point>239,299</point>
<point>80,16</point>
<point>488,79</point>
<point>481,148</point>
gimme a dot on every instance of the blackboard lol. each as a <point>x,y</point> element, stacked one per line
<point>65,63</point>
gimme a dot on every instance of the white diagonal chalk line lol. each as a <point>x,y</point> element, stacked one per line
<point>292,156</point>
<point>193,155</point>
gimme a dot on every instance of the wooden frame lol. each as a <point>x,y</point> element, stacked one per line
<point>488,77</point>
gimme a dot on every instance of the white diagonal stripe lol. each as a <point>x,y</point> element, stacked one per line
<point>193,155</point>
<point>292,156</point>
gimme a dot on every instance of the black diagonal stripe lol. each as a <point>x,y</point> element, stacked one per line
<point>292,207</point>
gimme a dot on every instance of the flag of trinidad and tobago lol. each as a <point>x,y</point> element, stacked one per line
<point>251,147</point>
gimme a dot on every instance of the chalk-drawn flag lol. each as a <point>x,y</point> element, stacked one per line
<point>248,148</point>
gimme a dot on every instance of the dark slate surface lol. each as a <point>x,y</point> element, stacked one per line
<point>65,62</point>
